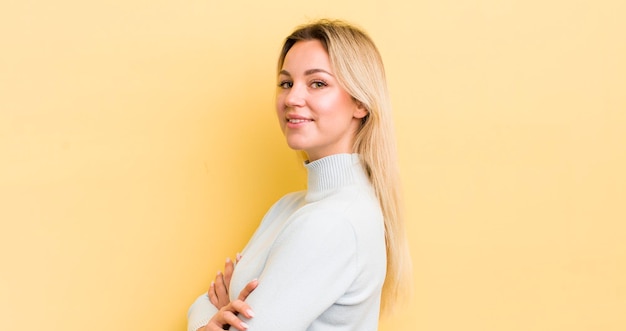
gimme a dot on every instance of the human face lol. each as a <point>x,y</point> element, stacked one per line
<point>315,113</point>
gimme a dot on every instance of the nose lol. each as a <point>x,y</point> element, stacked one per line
<point>295,96</point>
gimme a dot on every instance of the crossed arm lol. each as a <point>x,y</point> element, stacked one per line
<point>320,249</point>
<point>227,310</point>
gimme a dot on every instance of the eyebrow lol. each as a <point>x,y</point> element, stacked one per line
<point>306,73</point>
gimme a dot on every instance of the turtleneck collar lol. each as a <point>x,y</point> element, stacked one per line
<point>332,172</point>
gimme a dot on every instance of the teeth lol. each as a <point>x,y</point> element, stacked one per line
<point>296,120</point>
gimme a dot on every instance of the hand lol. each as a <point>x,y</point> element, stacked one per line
<point>227,315</point>
<point>218,291</point>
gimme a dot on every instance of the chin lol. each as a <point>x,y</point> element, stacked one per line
<point>295,147</point>
<point>295,144</point>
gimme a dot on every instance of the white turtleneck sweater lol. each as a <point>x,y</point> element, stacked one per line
<point>319,256</point>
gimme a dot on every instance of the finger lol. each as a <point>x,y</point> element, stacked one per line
<point>212,295</point>
<point>225,317</point>
<point>229,267</point>
<point>248,289</point>
<point>234,321</point>
<point>238,257</point>
<point>220,288</point>
<point>217,323</point>
<point>212,327</point>
<point>241,307</point>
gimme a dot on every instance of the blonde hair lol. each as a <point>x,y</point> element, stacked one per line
<point>359,69</point>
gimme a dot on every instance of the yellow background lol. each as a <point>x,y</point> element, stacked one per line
<point>138,149</point>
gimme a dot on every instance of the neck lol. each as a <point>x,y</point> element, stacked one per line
<point>329,173</point>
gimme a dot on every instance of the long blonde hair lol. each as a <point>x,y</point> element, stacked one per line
<point>359,69</point>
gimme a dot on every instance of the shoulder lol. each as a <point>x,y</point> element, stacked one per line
<point>319,224</point>
<point>290,201</point>
<point>318,235</point>
<point>281,210</point>
<point>290,198</point>
<point>347,213</point>
<point>355,204</point>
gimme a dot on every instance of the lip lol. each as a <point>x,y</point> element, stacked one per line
<point>294,121</point>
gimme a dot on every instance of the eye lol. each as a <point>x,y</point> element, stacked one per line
<point>285,84</point>
<point>318,84</point>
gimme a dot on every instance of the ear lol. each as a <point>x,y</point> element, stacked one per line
<point>360,111</point>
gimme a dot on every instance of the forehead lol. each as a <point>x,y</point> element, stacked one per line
<point>307,54</point>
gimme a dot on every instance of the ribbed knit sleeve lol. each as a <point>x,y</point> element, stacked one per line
<point>200,313</point>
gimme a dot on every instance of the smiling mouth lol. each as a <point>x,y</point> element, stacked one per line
<point>297,120</point>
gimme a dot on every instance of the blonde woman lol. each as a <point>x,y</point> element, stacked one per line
<point>326,258</point>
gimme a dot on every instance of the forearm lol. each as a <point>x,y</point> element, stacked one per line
<point>200,313</point>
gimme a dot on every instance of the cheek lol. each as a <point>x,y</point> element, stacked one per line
<point>338,105</point>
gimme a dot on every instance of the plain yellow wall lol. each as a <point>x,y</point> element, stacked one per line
<point>138,149</point>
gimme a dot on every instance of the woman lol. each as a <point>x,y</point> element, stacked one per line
<point>322,259</point>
